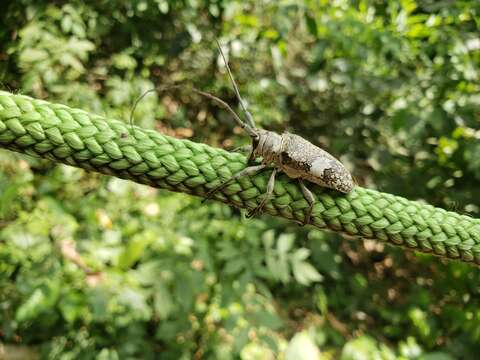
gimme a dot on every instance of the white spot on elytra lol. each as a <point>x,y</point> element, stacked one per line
<point>319,166</point>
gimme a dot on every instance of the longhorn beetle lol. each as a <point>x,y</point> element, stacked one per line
<point>292,154</point>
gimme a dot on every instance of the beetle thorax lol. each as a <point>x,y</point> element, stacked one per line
<point>269,145</point>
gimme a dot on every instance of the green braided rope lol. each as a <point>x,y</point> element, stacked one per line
<point>77,138</point>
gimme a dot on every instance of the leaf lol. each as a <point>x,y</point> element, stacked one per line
<point>32,307</point>
<point>66,23</point>
<point>107,354</point>
<point>148,273</point>
<point>278,266</point>
<point>80,47</point>
<point>365,347</point>
<point>184,291</point>
<point>99,299</point>
<point>305,273</point>
<point>300,254</point>
<point>322,301</point>
<point>311,25</point>
<point>267,319</point>
<point>302,347</point>
<point>227,250</point>
<point>135,300</point>
<point>271,262</point>
<point>134,250</point>
<point>41,300</point>
<point>33,55</point>
<point>325,259</point>
<point>241,339</point>
<point>124,61</point>
<point>268,238</point>
<point>7,196</point>
<point>162,301</point>
<point>235,266</point>
<point>283,269</point>
<point>72,306</point>
<point>285,242</point>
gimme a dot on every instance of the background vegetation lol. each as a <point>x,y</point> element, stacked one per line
<point>96,267</point>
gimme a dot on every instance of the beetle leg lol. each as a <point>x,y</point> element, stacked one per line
<point>247,149</point>
<point>251,157</point>
<point>268,195</point>
<point>248,171</point>
<point>307,194</point>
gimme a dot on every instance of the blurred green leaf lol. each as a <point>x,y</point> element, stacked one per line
<point>301,347</point>
<point>163,302</point>
<point>305,273</point>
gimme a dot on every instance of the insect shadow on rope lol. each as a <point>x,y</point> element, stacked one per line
<point>296,157</point>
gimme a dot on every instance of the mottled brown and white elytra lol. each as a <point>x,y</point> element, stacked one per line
<point>292,154</point>
<point>299,158</point>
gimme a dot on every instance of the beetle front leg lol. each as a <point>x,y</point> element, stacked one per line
<point>254,145</point>
<point>268,195</point>
<point>251,157</point>
<point>248,171</point>
<point>307,194</point>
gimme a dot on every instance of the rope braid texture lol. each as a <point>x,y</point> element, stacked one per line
<point>77,138</point>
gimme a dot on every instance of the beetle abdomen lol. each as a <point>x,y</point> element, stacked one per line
<point>301,159</point>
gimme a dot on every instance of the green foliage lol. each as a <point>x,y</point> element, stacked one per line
<point>96,267</point>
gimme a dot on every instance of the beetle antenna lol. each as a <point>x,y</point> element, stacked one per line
<point>249,116</point>
<point>251,131</point>
<point>132,112</point>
